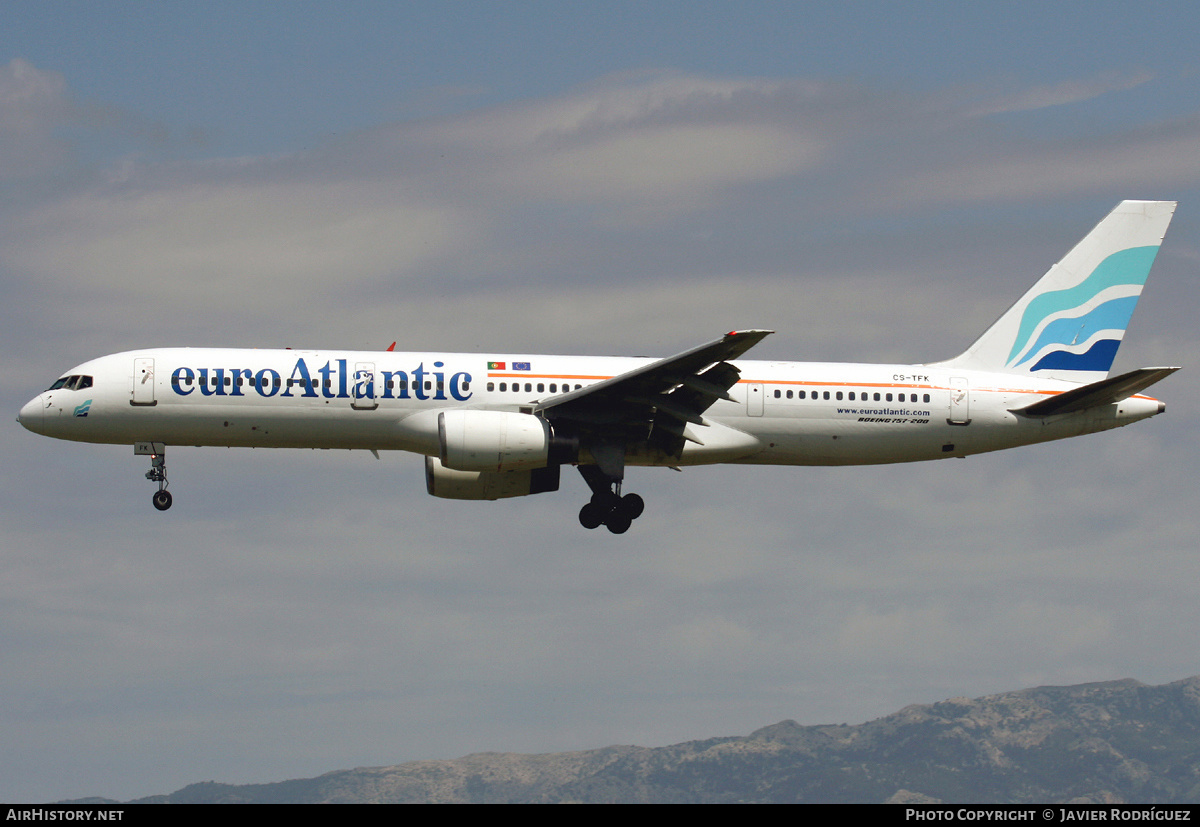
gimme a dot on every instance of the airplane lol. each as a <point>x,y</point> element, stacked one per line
<point>497,425</point>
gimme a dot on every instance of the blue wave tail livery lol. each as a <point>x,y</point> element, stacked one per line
<point>497,425</point>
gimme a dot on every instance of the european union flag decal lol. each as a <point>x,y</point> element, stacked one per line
<point>520,366</point>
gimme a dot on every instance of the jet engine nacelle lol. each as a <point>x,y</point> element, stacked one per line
<point>493,441</point>
<point>441,481</point>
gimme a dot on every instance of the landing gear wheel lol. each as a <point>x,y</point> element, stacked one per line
<point>633,505</point>
<point>591,515</point>
<point>618,521</point>
<point>162,500</point>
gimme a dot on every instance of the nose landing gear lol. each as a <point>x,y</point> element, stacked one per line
<point>157,452</point>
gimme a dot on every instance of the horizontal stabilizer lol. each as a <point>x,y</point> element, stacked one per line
<point>1104,392</point>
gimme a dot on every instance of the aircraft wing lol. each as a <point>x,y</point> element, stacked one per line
<point>656,401</point>
<point>1104,392</point>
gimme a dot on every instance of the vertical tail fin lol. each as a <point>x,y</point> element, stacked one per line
<point>1070,324</point>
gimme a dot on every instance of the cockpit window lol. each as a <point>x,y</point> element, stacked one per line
<point>72,383</point>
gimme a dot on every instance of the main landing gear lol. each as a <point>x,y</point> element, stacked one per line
<point>607,507</point>
<point>158,471</point>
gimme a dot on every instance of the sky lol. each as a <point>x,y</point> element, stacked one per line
<point>874,181</point>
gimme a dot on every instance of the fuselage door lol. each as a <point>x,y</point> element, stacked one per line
<point>143,382</point>
<point>754,399</point>
<point>362,397</point>
<point>960,401</point>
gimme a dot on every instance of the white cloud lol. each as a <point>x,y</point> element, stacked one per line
<point>665,139</point>
<point>1151,165</point>
<point>233,245</point>
<point>516,204</point>
<point>670,166</point>
<point>250,238</point>
<point>1065,92</point>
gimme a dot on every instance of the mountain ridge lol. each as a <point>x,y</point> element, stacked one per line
<point>1104,742</point>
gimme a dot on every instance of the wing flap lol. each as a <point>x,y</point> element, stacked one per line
<point>645,383</point>
<point>655,403</point>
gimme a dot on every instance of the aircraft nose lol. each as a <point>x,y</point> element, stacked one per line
<point>31,414</point>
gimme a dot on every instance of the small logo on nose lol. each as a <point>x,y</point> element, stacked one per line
<point>82,410</point>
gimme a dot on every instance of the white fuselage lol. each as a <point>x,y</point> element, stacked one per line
<point>782,413</point>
